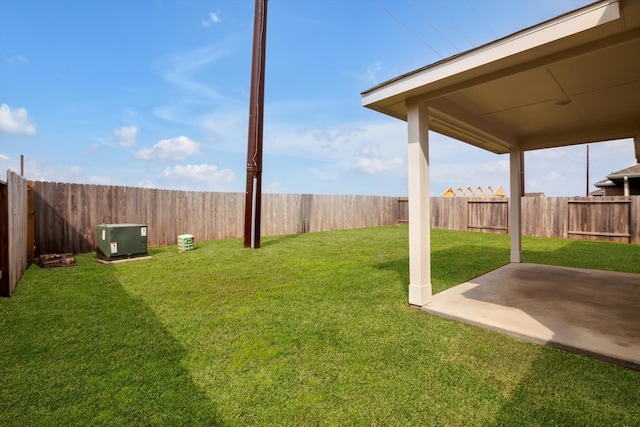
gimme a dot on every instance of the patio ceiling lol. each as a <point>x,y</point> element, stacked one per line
<point>571,80</point>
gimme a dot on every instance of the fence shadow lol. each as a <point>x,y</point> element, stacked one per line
<point>54,233</point>
<point>92,354</point>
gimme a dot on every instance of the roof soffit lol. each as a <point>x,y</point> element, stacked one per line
<point>595,72</point>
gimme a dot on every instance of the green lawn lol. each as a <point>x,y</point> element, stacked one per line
<point>311,329</point>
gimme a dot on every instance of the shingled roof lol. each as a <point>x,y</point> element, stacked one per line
<point>631,172</point>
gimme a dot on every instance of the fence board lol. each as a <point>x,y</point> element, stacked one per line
<point>4,239</point>
<point>488,215</point>
<point>13,256</point>
<point>600,219</point>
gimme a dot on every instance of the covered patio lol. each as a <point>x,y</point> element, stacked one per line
<point>590,312</point>
<point>574,79</point>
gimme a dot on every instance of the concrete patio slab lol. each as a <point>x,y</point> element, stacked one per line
<point>590,312</point>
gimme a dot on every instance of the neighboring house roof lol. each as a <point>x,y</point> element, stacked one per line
<point>616,182</point>
<point>614,178</point>
<point>477,192</point>
<point>533,194</point>
<point>605,183</point>
<point>630,172</point>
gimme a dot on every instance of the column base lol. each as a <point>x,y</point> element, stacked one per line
<point>516,256</point>
<point>420,295</point>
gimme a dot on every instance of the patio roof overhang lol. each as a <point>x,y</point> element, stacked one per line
<point>570,80</point>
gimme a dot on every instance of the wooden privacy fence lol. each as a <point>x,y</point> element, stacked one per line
<point>66,215</point>
<point>13,232</point>
<point>614,218</point>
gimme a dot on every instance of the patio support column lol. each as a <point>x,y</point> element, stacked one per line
<point>419,205</point>
<point>515,208</point>
<point>636,143</point>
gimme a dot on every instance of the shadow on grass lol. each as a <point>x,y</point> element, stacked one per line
<point>78,353</point>
<point>270,241</point>
<point>452,266</point>
<point>580,254</point>
<point>555,390</point>
<point>553,387</point>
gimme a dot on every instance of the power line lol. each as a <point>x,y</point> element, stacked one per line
<point>408,29</point>
<point>481,19</point>
<point>569,156</point>
<point>451,23</point>
<point>424,18</point>
<point>570,153</point>
<point>577,152</point>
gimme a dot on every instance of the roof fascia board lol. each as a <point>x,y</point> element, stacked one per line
<point>605,183</point>
<point>618,176</point>
<point>572,23</point>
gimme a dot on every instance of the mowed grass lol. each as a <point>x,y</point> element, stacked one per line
<point>311,329</point>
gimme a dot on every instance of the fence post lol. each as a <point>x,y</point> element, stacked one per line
<point>31,218</point>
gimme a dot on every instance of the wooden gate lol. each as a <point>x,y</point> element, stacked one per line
<point>488,215</point>
<point>595,219</point>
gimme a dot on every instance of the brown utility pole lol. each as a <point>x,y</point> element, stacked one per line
<point>253,193</point>
<point>522,173</point>
<point>587,195</point>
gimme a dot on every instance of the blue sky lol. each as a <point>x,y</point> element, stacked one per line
<point>155,93</point>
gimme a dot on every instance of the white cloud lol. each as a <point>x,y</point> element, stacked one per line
<point>174,149</point>
<point>16,121</point>
<point>370,76</point>
<point>93,148</point>
<point>100,180</point>
<point>145,184</point>
<point>126,136</point>
<point>8,163</point>
<point>212,18</point>
<point>545,182</point>
<point>324,175</point>
<point>205,173</point>
<point>179,70</point>
<point>342,142</point>
<point>370,160</point>
<point>76,170</point>
<point>225,124</point>
<point>17,60</point>
<point>372,165</point>
<point>199,94</point>
<point>276,187</point>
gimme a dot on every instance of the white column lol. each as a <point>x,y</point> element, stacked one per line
<point>419,206</point>
<point>515,210</point>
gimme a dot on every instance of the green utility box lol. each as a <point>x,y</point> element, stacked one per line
<point>119,241</point>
